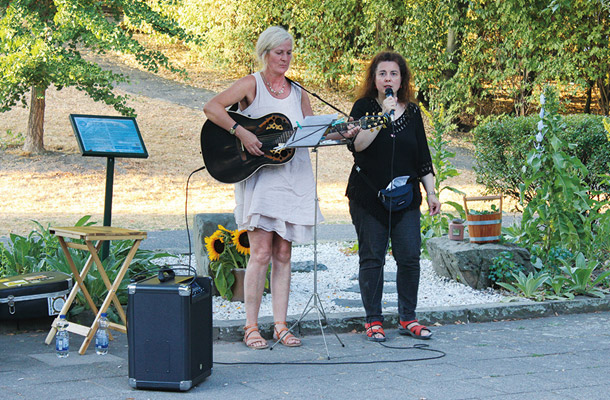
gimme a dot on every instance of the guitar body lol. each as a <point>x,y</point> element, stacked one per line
<point>224,156</point>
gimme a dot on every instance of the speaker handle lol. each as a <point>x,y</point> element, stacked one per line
<point>166,274</point>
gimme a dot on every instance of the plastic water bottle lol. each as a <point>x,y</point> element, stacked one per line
<point>101,336</point>
<point>62,338</point>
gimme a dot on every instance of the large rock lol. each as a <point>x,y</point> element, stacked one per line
<point>203,226</point>
<point>469,263</point>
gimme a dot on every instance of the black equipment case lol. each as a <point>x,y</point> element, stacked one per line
<point>169,332</point>
<point>36,295</point>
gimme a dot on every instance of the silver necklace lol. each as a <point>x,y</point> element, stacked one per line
<point>273,91</point>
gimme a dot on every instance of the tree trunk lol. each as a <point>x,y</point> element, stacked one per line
<point>452,49</point>
<point>454,38</point>
<point>521,103</point>
<point>34,138</point>
<point>589,96</point>
<point>604,96</point>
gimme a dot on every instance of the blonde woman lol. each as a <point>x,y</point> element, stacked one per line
<point>276,204</point>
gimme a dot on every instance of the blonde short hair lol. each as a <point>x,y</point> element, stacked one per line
<point>270,39</point>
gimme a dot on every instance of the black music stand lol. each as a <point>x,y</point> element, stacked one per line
<point>311,135</point>
<point>110,137</point>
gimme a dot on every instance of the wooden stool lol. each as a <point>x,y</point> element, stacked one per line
<point>89,234</point>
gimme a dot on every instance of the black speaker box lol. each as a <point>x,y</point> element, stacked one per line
<point>169,333</point>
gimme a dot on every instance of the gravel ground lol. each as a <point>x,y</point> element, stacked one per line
<point>337,284</point>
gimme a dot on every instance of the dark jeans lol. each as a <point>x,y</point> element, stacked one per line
<point>406,249</point>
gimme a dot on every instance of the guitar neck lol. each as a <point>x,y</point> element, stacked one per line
<point>367,122</point>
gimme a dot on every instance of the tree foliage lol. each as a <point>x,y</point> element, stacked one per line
<point>43,43</point>
<point>477,57</point>
<point>468,53</point>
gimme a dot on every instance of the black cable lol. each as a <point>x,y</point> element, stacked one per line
<point>422,347</point>
<point>387,247</point>
<point>148,273</point>
<point>153,271</point>
<point>316,96</point>
<point>186,220</point>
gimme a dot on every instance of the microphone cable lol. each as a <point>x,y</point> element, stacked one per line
<point>173,267</point>
<point>186,220</point>
<point>380,280</point>
<point>420,346</point>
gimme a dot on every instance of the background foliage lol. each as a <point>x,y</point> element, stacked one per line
<point>478,57</point>
<point>502,146</point>
<point>45,43</point>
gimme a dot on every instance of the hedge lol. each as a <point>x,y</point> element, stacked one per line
<point>501,149</point>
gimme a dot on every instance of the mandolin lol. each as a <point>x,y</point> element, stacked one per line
<point>228,162</point>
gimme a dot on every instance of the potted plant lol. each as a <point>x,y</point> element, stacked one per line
<point>228,252</point>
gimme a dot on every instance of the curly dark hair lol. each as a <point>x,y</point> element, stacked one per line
<point>368,89</point>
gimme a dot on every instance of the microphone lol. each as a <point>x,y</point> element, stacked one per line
<point>389,93</point>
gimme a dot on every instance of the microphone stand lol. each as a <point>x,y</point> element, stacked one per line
<point>315,297</point>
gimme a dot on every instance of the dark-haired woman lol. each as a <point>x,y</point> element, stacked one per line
<point>400,149</point>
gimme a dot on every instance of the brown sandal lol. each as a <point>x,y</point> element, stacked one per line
<point>252,342</point>
<point>284,336</point>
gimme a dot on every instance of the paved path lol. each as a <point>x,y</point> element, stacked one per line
<point>563,358</point>
<point>147,84</point>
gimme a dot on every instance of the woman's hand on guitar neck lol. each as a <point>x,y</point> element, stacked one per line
<point>249,141</point>
<point>349,132</point>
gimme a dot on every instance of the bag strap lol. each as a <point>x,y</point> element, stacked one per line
<point>366,179</point>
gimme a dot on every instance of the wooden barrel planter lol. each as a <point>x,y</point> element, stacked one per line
<point>485,227</point>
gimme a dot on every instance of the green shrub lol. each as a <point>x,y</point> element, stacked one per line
<point>503,267</point>
<point>438,225</point>
<point>550,260</point>
<point>40,251</point>
<point>502,147</point>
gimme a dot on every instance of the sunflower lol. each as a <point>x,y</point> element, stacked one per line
<point>241,242</point>
<point>222,228</point>
<point>215,246</point>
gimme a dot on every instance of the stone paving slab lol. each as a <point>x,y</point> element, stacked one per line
<point>540,358</point>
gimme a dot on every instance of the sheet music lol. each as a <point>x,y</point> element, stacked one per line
<point>309,132</point>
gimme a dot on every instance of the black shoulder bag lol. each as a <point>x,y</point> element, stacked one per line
<point>397,196</point>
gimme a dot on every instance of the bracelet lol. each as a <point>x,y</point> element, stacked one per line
<point>432,193</point>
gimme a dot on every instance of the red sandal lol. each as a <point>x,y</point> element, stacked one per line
<point>373,329</point>
<point>415,330</point>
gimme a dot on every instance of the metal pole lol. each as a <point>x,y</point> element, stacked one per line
<point>108,203</point>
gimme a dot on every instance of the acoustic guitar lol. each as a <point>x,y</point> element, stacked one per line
<point>227,160</point>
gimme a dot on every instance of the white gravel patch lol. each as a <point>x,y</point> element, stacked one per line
<point>434,291</point>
